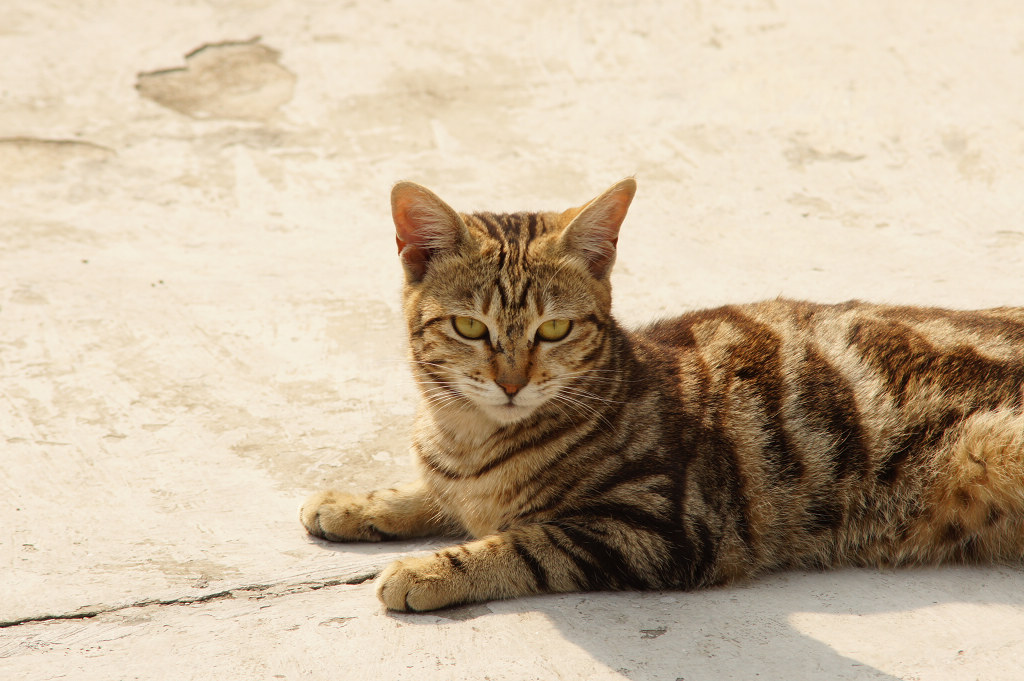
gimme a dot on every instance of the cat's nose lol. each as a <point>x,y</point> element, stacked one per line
<point>511,385</point>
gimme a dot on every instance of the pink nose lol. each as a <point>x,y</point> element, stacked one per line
<point>510,388</point>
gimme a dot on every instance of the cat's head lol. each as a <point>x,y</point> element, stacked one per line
<point>507,313</point>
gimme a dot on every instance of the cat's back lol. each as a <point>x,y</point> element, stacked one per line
<point>776,336</point>
<point>858,373</point>
<point>784,316</point>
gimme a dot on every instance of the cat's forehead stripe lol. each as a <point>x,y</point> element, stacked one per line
<point>503,228</point>
<point>512,228</point>
<point>510,234</point>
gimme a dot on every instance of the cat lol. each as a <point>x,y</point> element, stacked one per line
<point>699,450</point>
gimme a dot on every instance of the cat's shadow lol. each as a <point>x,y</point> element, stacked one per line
<point>784,627</point>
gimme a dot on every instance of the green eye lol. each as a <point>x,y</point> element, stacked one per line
<point>470,328</point>
<point>554,329</point>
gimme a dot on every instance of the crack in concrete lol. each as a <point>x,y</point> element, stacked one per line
<point>261,591</point>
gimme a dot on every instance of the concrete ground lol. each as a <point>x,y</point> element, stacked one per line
<point>199,316</point>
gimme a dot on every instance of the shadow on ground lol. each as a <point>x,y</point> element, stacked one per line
<point>848,624</point>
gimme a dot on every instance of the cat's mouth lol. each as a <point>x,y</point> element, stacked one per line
<point>504,409</point>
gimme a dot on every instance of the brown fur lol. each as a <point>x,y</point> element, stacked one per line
<point>701,449</point>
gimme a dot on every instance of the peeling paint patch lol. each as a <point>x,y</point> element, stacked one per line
<point>228,80</point>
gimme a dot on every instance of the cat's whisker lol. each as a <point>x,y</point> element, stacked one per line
<point>441,397</point>
<point>603,425</point>
<point>588,376</point>
<point>440,388</point>
<point>554,403</point>
<point>428,385</point>
<point>584,410</point>
<point>446,401</point>
<point>617,372</point>
<point>570,390</point>
<point>430,381</point>
<point>428,364</point>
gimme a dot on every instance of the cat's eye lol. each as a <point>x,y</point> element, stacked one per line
<point>470,328</point>
<point>554,329</point>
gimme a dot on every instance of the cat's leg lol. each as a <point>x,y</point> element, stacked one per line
<point>406,511</point>
<point>560,556</point>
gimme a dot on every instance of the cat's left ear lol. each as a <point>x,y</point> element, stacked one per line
<point>594,231</point>
<point>425,227</point>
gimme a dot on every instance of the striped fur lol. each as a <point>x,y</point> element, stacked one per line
<point>714,446</point>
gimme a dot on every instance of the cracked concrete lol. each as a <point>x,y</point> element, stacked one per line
<point>260,590</point>
<point>200,313</point>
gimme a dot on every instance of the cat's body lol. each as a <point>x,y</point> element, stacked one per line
<point>701,449</point>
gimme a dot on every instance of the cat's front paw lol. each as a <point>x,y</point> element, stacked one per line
<point>337,516</point>
<point>419,584</point>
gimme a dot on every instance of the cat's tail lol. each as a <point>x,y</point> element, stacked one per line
<point>976,500</point>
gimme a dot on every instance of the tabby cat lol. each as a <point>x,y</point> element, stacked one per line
<point>718,445</point>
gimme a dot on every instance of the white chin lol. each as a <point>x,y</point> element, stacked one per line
<point>507,413</point>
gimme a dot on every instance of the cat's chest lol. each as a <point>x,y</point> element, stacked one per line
<point>481,505</point>
<point>482,501</point>
<point>475,481</point>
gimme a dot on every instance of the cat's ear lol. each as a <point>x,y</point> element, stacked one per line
<point>594,230</point>
<point>425,226</point>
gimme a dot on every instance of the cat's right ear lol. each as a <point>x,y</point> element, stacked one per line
<point>594,231</point>
<point>425,226</point>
